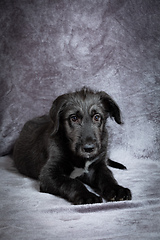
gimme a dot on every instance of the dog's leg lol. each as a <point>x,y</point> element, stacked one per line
<point>73,190</point>
<point>106,185</point>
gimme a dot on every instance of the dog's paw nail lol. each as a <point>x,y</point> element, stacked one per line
<point>122,199</point>
<point>113,199</point>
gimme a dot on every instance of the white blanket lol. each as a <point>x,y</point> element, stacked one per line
<point>28,214</point>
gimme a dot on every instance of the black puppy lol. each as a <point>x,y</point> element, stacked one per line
<point>68,148</point>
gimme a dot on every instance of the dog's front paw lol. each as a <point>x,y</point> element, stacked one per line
<point>117,193</point>
<point>87,198</point>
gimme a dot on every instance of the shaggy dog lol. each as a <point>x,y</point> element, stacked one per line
<point>67,148</point>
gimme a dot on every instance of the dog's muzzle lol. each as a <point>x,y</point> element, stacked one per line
<point>88,150</point>
<point>89,147</point>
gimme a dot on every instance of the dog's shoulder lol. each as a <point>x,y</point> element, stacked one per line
<point>36,123</point>
<point>39,120</point>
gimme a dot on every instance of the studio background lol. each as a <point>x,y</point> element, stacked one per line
<point>48,48</point>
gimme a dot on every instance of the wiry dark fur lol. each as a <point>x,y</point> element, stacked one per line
<point>68,148</point>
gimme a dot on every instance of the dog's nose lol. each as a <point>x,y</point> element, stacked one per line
<point>89,147</point>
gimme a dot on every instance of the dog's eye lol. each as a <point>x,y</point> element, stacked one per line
<point>74,118</point>
<point>97,117</point>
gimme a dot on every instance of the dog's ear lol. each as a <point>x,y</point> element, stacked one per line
<point>56,111</point>
<point>111,107</point>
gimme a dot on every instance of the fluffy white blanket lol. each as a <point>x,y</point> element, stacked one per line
<point>28,214</point>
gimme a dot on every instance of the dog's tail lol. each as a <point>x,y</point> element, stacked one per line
<point>114,164</point>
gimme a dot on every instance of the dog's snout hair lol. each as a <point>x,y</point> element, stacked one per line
<point>88,137</point>
<point>51,148</point>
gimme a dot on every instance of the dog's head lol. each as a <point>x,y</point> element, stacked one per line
<point>82,116</point>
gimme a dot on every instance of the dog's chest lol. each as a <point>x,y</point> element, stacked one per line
<point>77,172</point>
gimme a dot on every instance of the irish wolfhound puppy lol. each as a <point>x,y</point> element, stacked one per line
<point>67,148</point>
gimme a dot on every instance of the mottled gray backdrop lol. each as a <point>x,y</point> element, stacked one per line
<point>51,47</point>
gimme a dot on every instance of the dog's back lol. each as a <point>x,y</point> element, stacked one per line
<point>30,150</point>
